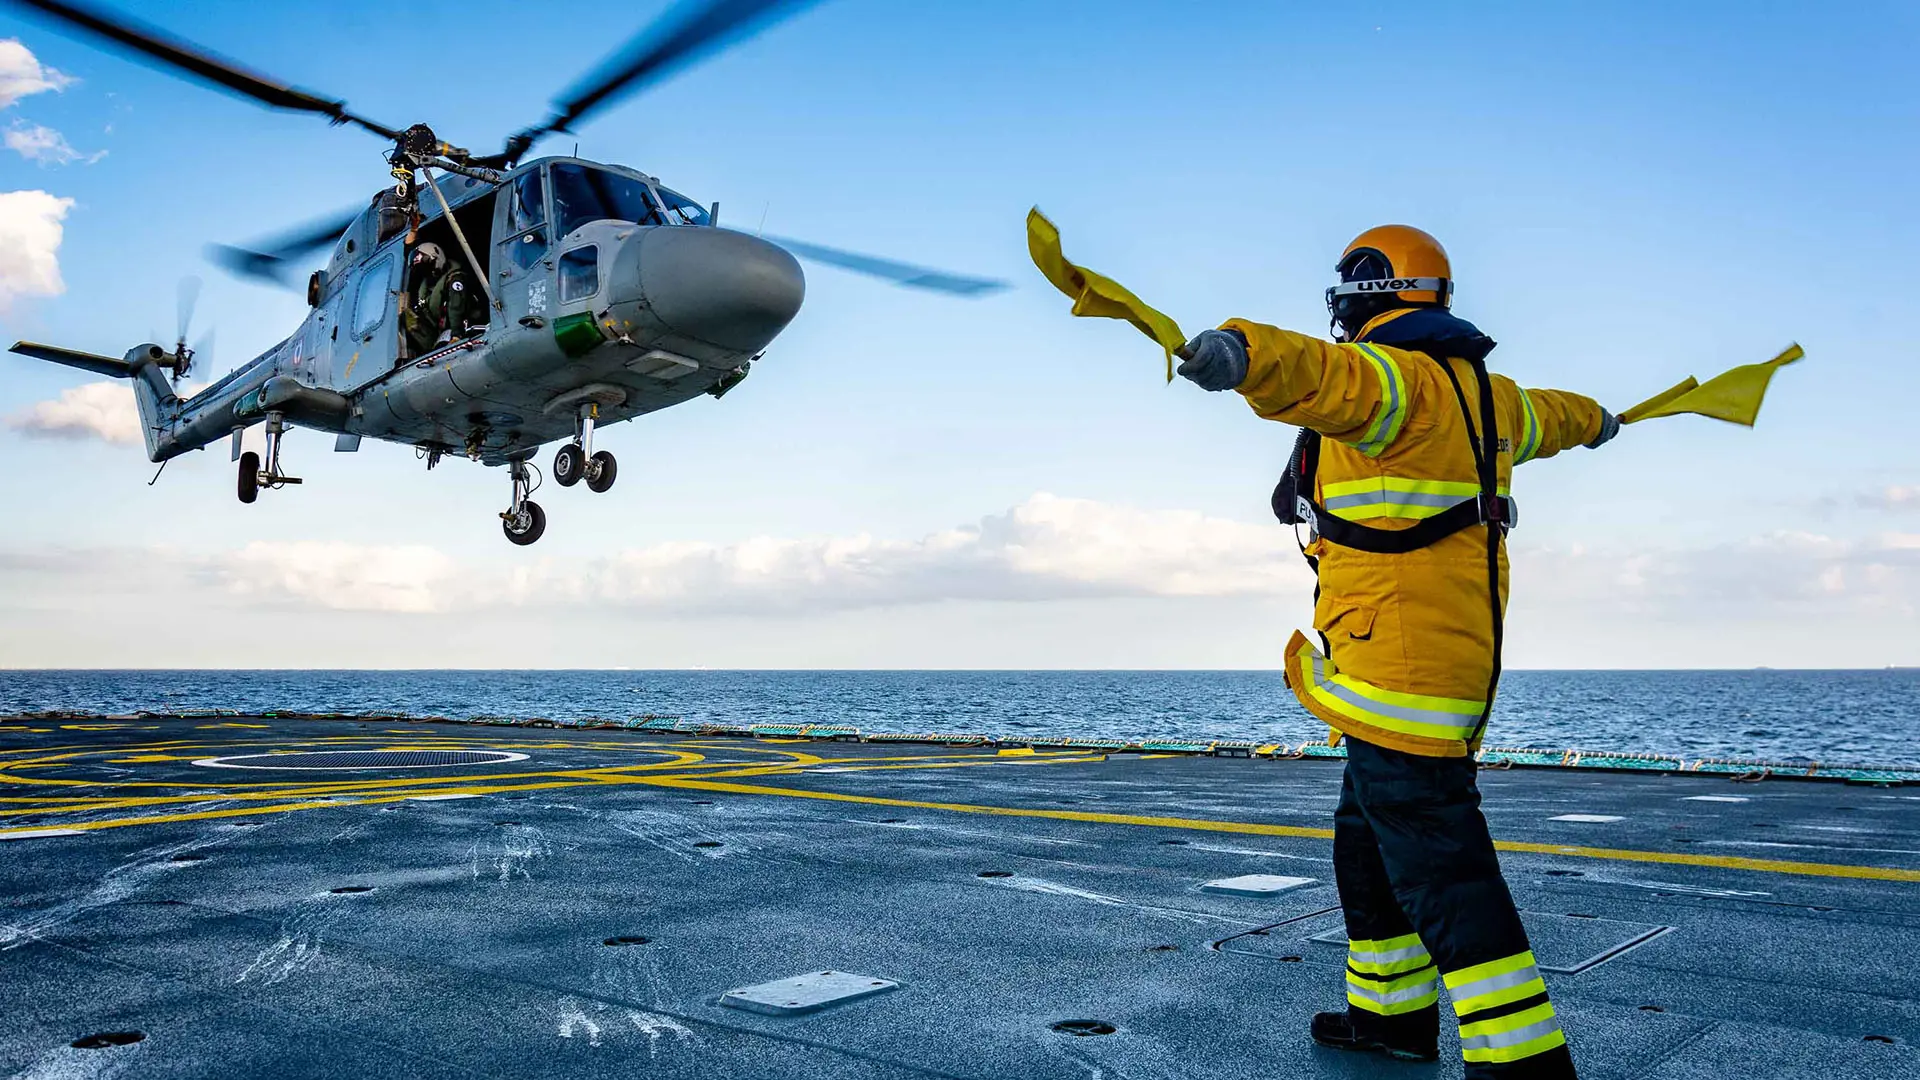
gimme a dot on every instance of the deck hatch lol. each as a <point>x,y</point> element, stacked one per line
<point>805,993</point>
<point>1563,944</point>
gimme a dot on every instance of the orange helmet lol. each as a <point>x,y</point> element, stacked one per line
<point>1388,267</point>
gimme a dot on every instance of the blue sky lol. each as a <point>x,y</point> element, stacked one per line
<point>1630,193</point>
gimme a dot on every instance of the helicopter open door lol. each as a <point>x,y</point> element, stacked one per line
<point>470,247</point>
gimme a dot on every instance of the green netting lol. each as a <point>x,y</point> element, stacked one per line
<point>1068,742</point>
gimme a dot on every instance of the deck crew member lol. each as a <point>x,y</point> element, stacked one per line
<point>1401,472</point>
<point>442,302</point>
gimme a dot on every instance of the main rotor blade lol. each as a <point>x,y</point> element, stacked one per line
<point>205,66</point>
<point>183,309</point>
<point>913,277</point>
<point>272,263</point>
<point>693,28</point>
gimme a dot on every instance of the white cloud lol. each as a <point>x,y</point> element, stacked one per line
<point>95,410</point>
<point>22,74</point>
<point>343,577</point>
<point>1047,548</point>
<point>30,233</point>
<point>1052,582</point>
<point>1781,573</point>
<point>1893,497</point>
<point>37,142</point>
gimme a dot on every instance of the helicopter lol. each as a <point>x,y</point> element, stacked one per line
<point>606,294</point>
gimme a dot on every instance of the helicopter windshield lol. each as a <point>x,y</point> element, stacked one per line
<point>583,194</point>
<point>682,210</point>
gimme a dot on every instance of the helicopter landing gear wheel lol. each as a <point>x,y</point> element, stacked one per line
<point>569,465</point>
<point>524,521</point>
<point>601,469</point>
<point>249,476</point>
<point>526,526</point>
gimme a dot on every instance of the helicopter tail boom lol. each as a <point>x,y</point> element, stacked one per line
<point>144,365</point>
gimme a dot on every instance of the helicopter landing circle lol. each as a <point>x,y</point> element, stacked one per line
<point>361,760</point>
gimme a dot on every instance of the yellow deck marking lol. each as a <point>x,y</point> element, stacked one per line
<point>713,776</point>
<point>788,770</point>
<point>1731,862</point>
<point>351,789</point>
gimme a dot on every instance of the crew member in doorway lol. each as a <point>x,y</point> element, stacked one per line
<point>442,304</point>
<point>1401,473</point>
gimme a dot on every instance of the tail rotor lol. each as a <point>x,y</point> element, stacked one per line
<point>180,363</point>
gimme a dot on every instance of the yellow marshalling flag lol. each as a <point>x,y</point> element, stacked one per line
<point>1734,396</point>
<point>1094,295</point>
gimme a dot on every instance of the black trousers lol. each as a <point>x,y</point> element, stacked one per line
<point>1425,905</point>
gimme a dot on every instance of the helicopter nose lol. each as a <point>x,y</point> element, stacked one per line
<point>720,286</point>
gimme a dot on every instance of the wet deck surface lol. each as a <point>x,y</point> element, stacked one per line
<point>198,906</point>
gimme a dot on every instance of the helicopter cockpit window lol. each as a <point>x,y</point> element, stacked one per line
<point>525,249</point>
<point>527,206</point>
<point>582,195</point>
<point>579,273</point>
<point>682,210</point>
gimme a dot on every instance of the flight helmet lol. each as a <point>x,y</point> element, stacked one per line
<point>1388,267</point>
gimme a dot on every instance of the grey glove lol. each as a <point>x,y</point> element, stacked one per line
<point>1215,360</point>
<point>1609,427</point>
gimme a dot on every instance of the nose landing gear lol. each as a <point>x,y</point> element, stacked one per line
<point>578,461</point>
<point>524,521</point>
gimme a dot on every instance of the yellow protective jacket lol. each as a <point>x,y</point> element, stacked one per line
<point>1409,636</point>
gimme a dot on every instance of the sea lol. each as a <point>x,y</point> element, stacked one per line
<point>1835,717</point>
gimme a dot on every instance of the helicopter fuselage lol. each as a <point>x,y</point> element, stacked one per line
<point>588,311</point>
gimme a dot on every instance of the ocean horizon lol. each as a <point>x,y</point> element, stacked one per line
<point>1869,716</point>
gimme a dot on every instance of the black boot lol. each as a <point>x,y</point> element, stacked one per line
<point>1554,1064</point>
<point>1414,1037</point>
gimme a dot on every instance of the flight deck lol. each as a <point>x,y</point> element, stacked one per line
<point>373,897</point>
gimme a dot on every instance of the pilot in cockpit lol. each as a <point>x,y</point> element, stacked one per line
<point>443,304</point>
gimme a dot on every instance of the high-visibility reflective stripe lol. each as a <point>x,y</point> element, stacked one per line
<point>1395,497</point>
<point>1393,403</point>
<point>1510,1029</point>
<point>1409,714</point>
<point>1527,1049</point>
<point>1510,1038</point>
<point>1407,994</point>
<point>1389,957</point>
<point>1529,431</point>
<point>1411,980</point>
<point>1495,982</point>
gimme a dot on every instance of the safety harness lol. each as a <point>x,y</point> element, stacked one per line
<point>1438,334</point>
